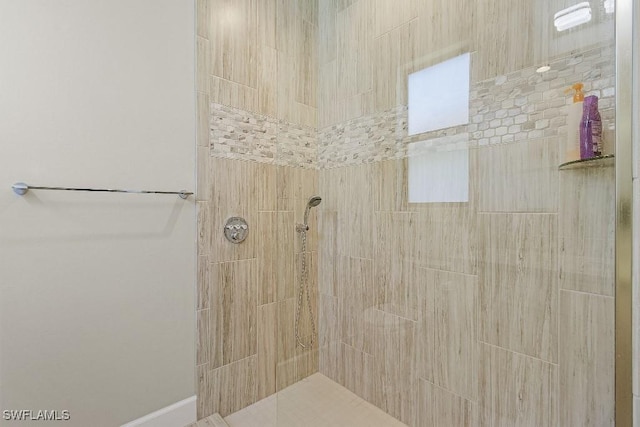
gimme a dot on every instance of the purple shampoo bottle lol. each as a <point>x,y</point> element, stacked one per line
<point>590,129</point>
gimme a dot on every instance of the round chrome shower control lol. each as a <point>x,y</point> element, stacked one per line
<point>236,229</point>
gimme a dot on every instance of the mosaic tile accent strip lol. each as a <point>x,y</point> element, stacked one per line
<point>244,135</point>
<point>522,105</point>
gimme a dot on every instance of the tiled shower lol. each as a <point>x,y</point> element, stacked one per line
<point>497,310</point>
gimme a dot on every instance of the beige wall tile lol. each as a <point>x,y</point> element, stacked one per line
<point>517,390</point>
<point>233,304</point>
<point>390,14</point>
<point>354,37</point>
<point>504,37</point>
<point>203,16</point>
<point>327,95</point>
<point>394,54</point>
<point>267,256</point>
<point>394,349</point>
<point>286,88</point>
<point>202,119</point>
<point>395,289</point>
<point>204,228</point>
<point>518,283</point>
<point>268,81</point>
<point>204,281</point>
<point>203,343</point>
<point>203,62</point>
<point>327,253</point>
<point>356,300</point>
<point>328,320</point>
<point>361,374</point>
<point>437,407</point>
<point>392,186</point>
<point>445,237</point>
<point>233,193</point>
<point>267,23</point>
<point>330,361</point>
<point>445,29</point>
<point>307,64</point>
<point>358,210</point>
<point>203,171</point>
<point>326,31</point>
<point>287,27</point>
<point>587,359</point>
<point>231,387</point>
<point>204,403</point>
<point>233,40</point>
<point>284,263</point>
<point>519,177</point>
<point>446,345</point>
<point>267,349</point>
<point>586,224</point>
<point>266,187</point>
<point>233,94</point>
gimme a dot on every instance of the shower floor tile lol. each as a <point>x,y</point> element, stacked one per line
<point>315,401</point>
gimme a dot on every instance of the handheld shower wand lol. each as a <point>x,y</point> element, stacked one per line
<point>304,283</point>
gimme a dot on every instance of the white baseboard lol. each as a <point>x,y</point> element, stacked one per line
<point>179,414</point>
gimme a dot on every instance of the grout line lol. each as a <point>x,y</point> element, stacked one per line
<point>593,294</point>
<point>447,390</point>
<point>518,353</point>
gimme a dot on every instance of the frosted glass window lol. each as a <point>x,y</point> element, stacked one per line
<point>438,170</point>
<point>439,96</point>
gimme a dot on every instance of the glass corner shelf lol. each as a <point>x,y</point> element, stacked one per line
<point>600,161</point>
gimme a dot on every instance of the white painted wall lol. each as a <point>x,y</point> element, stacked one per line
<point>96,290</point>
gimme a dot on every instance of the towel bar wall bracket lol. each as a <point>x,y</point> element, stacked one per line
<point>20,188</point>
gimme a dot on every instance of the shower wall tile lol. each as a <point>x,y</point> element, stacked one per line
<point>437,407</point>
<point>230,40</point>
<point>230,388</point>
<point>394,349</point>
<point>327,10</point>
<point>518,283</point>
<point>445,237</point>
<point>266,187</point>
<point>232,193</point>
<point>390,14</point>
<point>519,177</point>
<point>202,18</point>
<point>395,289</point>
<point>269,265</point>
<point>446,348</point>
<point>587,359</point>
<point>204,278</point>
<point>393,56</point>
<point>586,225</point>
<point>307,67</point>
<point>267,24</point>
<point>203,62</point>
<point>204,228</point>
<point>356,300</point>
<point>268,80</point>
<point>505,37</point>
<point>361,374</point>
<point>328,232</point>
<point>446,29</point>
<point>284,260</point>
<point>226,92</point>
<point>233,303</point>
<point>202,180</point>
<point>202,119</point>
<point>516,389</point>
<point>203,343</point>
<point>331,361</point>
<point>267,334</point>
<point>328,320</point>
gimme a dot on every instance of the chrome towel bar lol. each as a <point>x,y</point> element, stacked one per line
<point>20,188</point>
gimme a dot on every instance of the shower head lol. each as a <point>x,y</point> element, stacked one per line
<point>314,201</point>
